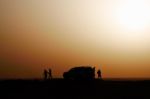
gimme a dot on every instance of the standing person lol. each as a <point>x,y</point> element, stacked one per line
<point>99,73</point>
<point>45,74</point>
<point>49,73</point>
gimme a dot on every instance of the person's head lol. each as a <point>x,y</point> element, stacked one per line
<point>45,70</point>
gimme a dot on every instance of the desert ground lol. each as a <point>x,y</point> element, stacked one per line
<point>70,89</point>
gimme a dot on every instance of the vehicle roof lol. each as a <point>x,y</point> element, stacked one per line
<point>81,67</point>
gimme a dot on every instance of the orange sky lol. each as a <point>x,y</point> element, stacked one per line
<point>112,35</point>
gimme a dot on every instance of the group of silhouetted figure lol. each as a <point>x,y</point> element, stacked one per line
<point>47,74</point>
<point>75,73</point>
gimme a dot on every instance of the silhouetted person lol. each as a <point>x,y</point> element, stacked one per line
<point>99,73</point>
<point>45,74</point>
<point>49,73</point>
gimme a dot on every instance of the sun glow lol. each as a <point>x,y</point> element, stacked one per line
<point>134,14</point>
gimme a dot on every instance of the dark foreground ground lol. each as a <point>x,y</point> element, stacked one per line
<point>63,89</point>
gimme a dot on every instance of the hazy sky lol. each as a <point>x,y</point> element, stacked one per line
<point>113,35</point>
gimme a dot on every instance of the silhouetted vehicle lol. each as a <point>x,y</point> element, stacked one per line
<point>80,73</point>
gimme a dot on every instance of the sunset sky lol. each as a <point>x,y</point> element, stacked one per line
<point>112,35</point>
